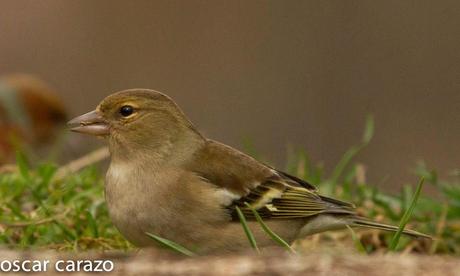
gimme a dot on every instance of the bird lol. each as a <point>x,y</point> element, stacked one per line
<point>31,113</point>
<point>166,178</point>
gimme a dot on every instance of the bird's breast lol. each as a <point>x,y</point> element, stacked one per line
<point>129,195</point>
<point>142,199</point>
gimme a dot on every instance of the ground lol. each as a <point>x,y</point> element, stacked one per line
<point>273,262</point>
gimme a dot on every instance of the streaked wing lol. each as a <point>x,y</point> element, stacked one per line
<point>286,197</point>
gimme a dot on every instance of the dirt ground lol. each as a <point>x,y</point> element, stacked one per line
<point>270,263</point>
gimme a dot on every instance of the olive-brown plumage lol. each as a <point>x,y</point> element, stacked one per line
<point>167,179</point>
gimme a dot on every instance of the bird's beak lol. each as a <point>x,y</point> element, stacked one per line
<point>90,123</point>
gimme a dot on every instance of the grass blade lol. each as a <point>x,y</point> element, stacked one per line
<point>23,166</point>
<point>267,230</point>
<point>92,224</point>
<point>352,152</point>
<point>405,218</point>
<point>248,232</point>
<point>356,241</point>
<point>440,228</point>
<point>368,130</point>
<point>171,245</point>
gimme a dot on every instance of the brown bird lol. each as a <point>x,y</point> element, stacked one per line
<point>167,179</point>
<point>30,113</point>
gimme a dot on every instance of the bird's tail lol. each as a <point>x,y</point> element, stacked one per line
<point>363,222</point>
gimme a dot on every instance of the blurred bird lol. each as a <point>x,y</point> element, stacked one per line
<point>30,113</point>
<point>167,179</point>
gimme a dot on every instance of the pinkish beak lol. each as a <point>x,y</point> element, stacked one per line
<point>90,123</point>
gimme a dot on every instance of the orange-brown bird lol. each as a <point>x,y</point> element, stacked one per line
<point>30,113</point>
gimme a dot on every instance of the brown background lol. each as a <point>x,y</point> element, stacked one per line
<point>276,72</point>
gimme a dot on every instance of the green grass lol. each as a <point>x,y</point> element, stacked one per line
<point>269,232</point>
<point>356,240</point>
<point>69,214</point>
<point>38,210</point>
<point>175,247</point>
<point>247,230</point>
<point>405,218</point>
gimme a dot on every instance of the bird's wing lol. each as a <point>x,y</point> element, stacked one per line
<point>274,194</point>
<point>279,197</point>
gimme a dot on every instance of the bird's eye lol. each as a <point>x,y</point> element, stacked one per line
<point>126,110</point>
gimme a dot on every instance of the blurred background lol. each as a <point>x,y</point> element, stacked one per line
<point>275,73</point>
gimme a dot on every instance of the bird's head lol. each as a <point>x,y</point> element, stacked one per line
<point>136,119</point>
